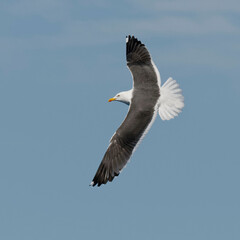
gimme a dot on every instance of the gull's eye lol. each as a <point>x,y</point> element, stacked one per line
<point>118,95</point>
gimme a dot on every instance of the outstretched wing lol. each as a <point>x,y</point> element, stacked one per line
<point>122,144</point>
<point>139,62</point>
<point>140,115</point>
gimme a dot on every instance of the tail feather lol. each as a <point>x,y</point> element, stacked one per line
<point>171,100</point>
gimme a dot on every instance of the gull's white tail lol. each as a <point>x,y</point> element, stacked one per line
<point>171,100</point>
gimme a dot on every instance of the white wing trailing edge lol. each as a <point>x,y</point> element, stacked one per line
<point>171,101</point>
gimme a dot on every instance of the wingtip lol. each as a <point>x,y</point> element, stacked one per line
<point>135,45</point>
<point>129,37</point>
<point>91,184</point>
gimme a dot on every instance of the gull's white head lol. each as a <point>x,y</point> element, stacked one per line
<point>124,97</point>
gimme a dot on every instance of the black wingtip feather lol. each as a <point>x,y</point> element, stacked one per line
<point>136,52</point>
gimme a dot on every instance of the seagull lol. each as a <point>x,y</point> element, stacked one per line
<point>145,100</point>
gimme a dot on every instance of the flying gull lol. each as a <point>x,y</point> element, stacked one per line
<point>145,100</point>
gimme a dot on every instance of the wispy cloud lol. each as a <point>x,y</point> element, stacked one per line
<point>164,18</point>
<point>48,9</point>
<point>74,33</point>
<point>184,25</point>
<point>189,5</point>
<point>162,21</point>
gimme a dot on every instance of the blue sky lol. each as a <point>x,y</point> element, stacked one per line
<point>60,61</point>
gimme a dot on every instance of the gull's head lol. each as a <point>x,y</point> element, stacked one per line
<point>124,97</point>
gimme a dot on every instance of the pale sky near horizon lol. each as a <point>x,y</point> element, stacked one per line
<point>60,61</point>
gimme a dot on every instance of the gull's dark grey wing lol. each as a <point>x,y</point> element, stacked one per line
<point>140,115</point>
<point>122,144</point>
<point>145,74</point>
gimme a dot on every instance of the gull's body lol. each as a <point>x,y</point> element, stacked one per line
<point>145,100</point>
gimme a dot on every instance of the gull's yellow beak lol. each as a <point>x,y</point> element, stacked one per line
<point>112,99</point>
